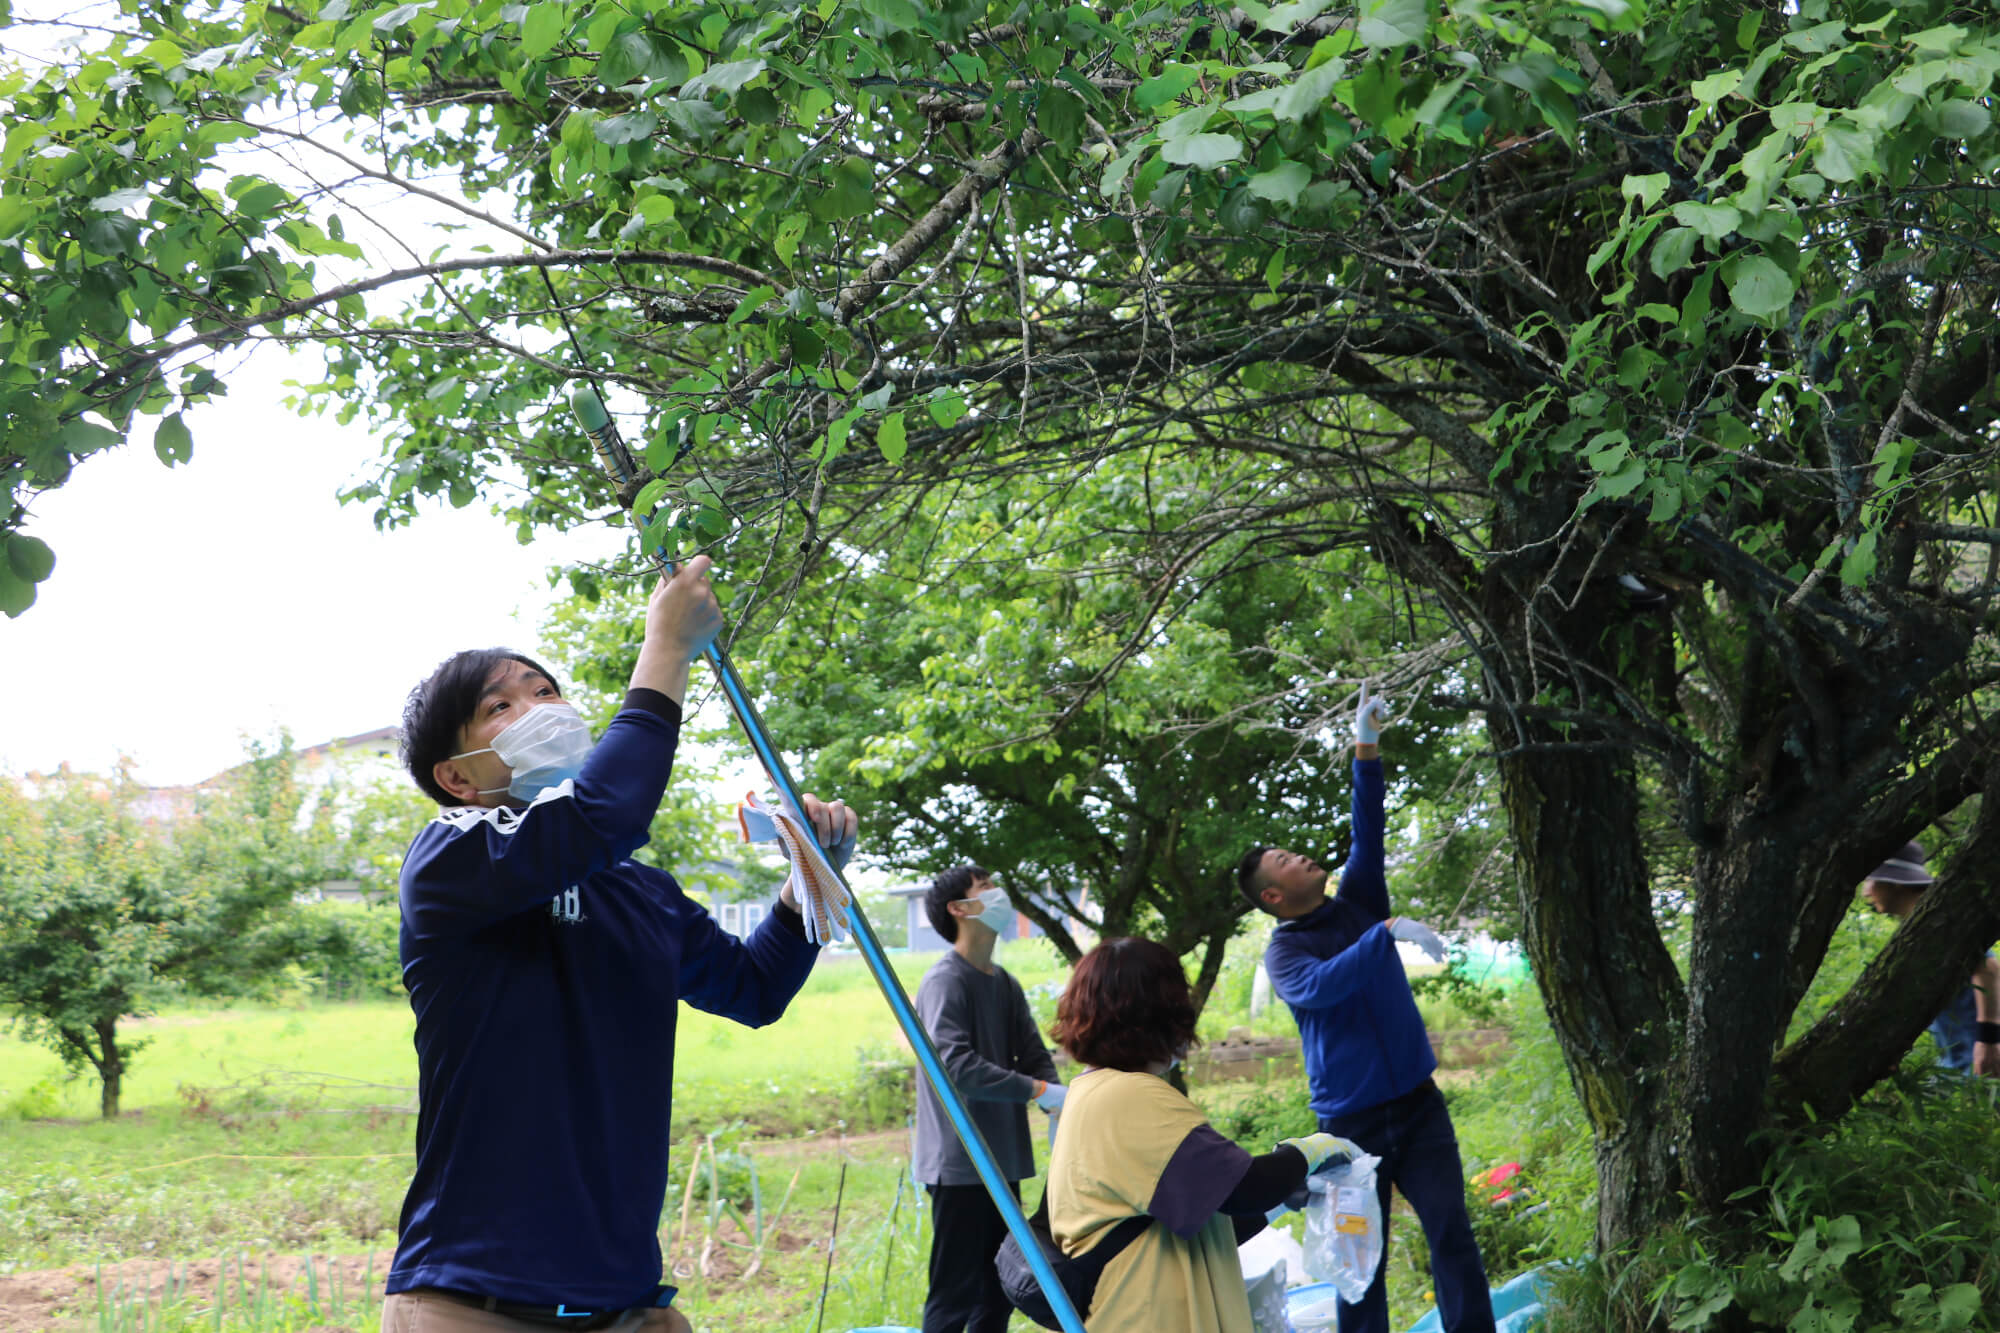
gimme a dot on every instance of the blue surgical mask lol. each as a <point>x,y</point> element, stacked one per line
<point>543,748</point>
<point>993,908</point>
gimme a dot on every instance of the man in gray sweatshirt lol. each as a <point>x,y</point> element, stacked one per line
<point>978,1018</point>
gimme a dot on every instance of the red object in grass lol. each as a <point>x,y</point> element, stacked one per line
<point>1495,1181</point>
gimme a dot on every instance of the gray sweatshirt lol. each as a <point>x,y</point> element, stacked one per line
<point>987,1039</point>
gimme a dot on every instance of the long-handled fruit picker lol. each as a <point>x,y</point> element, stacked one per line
<point>596,421</point>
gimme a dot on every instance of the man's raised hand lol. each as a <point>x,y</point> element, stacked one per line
<point>1371,714</point>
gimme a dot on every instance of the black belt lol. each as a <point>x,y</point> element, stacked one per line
<point>547,1316</point>
<point>1422,1090</point>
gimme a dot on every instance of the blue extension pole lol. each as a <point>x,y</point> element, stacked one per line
<point>591,414</point>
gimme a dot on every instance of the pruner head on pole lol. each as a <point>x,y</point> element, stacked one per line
<point>587,406</point>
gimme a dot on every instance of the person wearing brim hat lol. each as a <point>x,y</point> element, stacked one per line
<point>1968,1031</point>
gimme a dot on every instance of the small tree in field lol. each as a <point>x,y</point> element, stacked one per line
<point>104,915</point>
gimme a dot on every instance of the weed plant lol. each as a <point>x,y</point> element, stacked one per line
<point>1884,1222</point>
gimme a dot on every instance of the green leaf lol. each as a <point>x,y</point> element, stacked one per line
<point>789,233</point>
<point>852,193</point>
<point>1846,152</point>
<point>1166,86</point>
<point>1392,22</point>
<point>628,128</point>
<point>1757,286</point>
<point>895,15</point>
<point>1623,481</point>
<point>1274,269</point>
<point>649,496</point>
<point>1943,39</point>
<point>30,557</point>
<point>1646,189</point>
<point>747,307</point>
<point>1284,18</point>
<point>172,442</point>
<point>1963,120</point>
<point>725,78</point>
<point>1716,86</point>
<point>119,200</point>
<point>1309,92</point>
<point>1282,184</point>
<point>15,215</point>
<point>1060,116</point>
<point>1187,124</point>
<point>263,199</point>
<point>1956,1306</point>
<point>1713,221</point>
<point>893,438</point>
<point>1671,252</point>
<point>82,437</point>
<point>946,407</point>
<point>16,594</point>
<point>543,27</point>
<point>630,57</point>
<point>1203,150</point>
<point>665,446</point>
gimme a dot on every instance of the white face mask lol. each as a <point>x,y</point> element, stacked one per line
<point>993,908</point>
<point>543,748</point>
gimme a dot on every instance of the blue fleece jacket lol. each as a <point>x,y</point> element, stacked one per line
<point>544,966</point>
<point>1338,969</point>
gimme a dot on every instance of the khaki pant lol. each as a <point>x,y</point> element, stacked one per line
<point>422,1311</point>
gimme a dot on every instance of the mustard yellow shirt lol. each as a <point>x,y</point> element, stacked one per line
<point>1119,1132</point>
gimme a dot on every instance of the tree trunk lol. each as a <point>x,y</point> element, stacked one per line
<point>1213,949</point>
<point>110,1066</point>
<point>1743,921</point>
<point>1861,1039</point>
<point>1606,978</point>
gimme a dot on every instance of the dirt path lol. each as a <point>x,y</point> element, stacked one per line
<point>56,1299</point>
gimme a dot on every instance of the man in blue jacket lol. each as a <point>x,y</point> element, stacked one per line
<point>545,967</point>
<point>1368,1059</point>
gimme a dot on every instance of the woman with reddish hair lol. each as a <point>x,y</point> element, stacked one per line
<point>1130,1145</point>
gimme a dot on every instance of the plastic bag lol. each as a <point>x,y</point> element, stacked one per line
<point>1267,1301</point>
<point>1344,1227</point>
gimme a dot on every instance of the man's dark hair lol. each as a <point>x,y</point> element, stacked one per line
<point>444,703</point>
<point>1246,877</point>
<point>949,887</point>
<point>1126,1006</point>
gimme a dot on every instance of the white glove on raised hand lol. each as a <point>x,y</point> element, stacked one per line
<point>1419,934</point>
<point>1370,716</point>
<point>1050,1098</point>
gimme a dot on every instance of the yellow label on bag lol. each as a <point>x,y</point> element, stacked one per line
<point>1348,1219</point>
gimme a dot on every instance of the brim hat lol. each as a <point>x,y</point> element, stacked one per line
<point>1905,867</point>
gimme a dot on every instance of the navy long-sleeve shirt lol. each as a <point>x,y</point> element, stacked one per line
<point>1338,969</point>
<point>544,966</point>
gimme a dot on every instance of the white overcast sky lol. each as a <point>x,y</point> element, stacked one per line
<point>193,606</point>
<point>233,595</point>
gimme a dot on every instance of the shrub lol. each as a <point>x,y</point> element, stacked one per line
<point>1883,1222</point>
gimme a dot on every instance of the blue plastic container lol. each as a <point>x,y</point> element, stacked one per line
<point>1517,1306</point>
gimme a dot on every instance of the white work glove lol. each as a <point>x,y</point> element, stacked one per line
<point>1323,1149</point>
<point>1419,934</point>
<point>1370,716</point>
<point>1050,1096</point>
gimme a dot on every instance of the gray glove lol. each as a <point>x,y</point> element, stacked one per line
<point>1419,934</point>
<point>1370,715</point>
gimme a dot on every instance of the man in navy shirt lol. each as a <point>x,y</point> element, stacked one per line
<point>1368,1059</point>
<point>545,967</point>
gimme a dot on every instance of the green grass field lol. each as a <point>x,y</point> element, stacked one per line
<point>286,1131</point>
